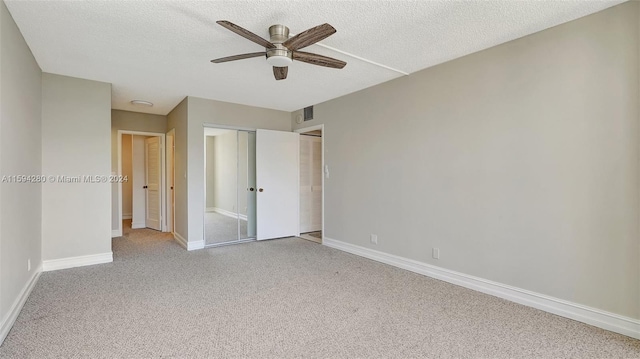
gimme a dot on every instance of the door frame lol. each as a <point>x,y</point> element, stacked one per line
<point>171,196</point>
<point>163,195</point>
<point>324,174</point>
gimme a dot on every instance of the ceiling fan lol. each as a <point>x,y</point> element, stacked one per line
<point>282,50</point>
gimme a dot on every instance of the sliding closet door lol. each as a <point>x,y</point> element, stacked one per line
<point>221,181</point>
<point>247,184</point>
<point>277,180</point>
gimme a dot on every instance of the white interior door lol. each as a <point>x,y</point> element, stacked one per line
<point>153,176</point>
<point>310,184</point>
<point>277,171</point>
<point>139,200</point>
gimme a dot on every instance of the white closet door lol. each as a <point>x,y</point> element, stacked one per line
<point>277,181</point>
<point>153,175</point>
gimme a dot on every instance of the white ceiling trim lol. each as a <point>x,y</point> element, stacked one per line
<point>357,57</point>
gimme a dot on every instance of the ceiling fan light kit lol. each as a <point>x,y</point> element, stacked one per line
<point>281,50</point>
<point>279,56</point>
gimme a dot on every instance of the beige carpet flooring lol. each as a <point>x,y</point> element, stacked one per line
<point>286,298</point>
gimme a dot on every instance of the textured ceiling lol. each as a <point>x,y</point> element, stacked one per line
<point>160,51</point>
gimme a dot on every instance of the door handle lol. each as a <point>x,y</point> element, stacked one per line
<point>260,190</point>
<point>144,187</point>
<point>251,189</point>
<point>171,187</point>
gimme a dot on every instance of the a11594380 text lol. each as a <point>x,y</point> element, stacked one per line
<point>64,179</point>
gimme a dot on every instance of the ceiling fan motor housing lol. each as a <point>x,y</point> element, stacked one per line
<point>279,56</point>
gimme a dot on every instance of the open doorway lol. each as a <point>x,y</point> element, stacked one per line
<point>311,183</point>
<point>142,193</point>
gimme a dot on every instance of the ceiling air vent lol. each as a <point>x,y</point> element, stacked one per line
<point>308,113</point>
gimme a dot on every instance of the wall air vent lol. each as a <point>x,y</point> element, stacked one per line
<point>308,113</point>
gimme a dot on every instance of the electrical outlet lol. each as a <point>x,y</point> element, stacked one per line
<point>374,238</point>
<point>436,253</point>
<point>28,264</point>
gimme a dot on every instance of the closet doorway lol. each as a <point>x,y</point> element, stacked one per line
<point>312,176</point>
<point>142,197</point>
<point>251,185</point>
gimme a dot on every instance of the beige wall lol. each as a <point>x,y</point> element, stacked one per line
<point>76,117</point>
<point>20,154</point>
<point>130,121</point>
<point>133,121</point>
<point>519,162</point>
<point>177,119</point>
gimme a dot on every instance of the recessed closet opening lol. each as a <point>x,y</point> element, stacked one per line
<point>251,185</point>
<point>312,176</point>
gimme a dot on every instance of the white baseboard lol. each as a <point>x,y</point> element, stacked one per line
<point>596,317</point>
<point>138,225</point>
<point>72,262</point>
<point>127,216</point>
<point>190,246</point>
<point>195,245</point>
<point>224,212</point>
<point>116,233</point>
<point>16,307</point>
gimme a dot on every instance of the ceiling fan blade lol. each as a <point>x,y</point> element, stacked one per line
<point>319,60</point>
<point>238,57</point>
<point>246,34</point>
<point>309,37</point>
<point>280,72</point>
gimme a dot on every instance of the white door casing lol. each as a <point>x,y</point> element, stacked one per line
<point>277,179</point>
<point>153,176</point>
<point>171,180</point>
<point>252,194</point>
